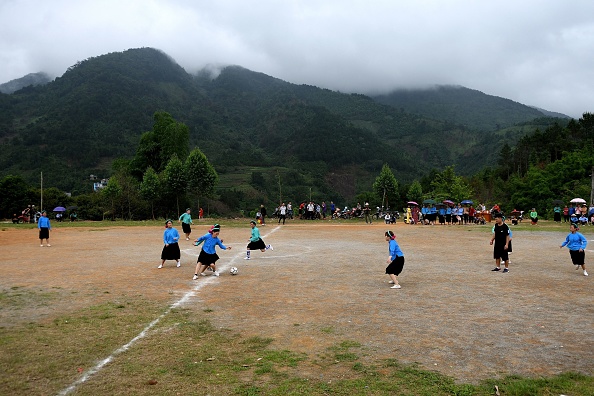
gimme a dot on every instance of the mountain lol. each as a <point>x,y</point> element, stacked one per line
<point>244,121</point>
<point>32,79</point>
<point>465,106</point>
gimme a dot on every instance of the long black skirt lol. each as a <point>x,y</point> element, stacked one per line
<point>186,228</point>
<point>44,233</point>
<point>256,245</point>
<point>207,258</point>
<point>396,266</point>
<point>557,216</point>
<point>171,252</point>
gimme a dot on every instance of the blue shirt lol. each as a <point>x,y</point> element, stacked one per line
<point>210,242</point>
<point>575,241</point>
<point>44,222</point>
<point>170,236</point>
<point>394,250</point>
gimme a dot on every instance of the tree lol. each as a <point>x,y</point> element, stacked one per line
<point>415,192</point>
<point>200,174</point>
<point>175,179</point>
<point>150,188</point>
<point>13,195</point>
<point>386,186</point>
<point>112,192</point>
<point>446,185</point>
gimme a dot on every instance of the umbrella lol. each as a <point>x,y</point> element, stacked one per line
<point>578,200</point>
<point>558,202</point>
<point>59,209</point>
<point>448,202</point>
<point>412,203</point>
<point>72,207</point>
<point>429,201</point>
<point>466,202</point>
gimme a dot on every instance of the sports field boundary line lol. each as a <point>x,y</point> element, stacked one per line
<point>191,293</point>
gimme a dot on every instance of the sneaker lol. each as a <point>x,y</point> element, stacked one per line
<point>396,287</point>
<point>187,239</point>
<point>178,264</point>
<point>506,270</point>
<point>42,246</point>
<point>496,269</point>
<point>271,248</point>
<point>391,282</point>
<point>195,277</point>
<point>160,266</point>
<point>585,273</point>
<point>247,258</point>
<point>216,273</point>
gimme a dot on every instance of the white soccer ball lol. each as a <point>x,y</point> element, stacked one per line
<point>233,271</point>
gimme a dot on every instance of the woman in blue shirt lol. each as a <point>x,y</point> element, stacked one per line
<point>576,243</point>
<point>44,228</point>
<point>395,259</point>
<point>208,255</point>
<point>171,247</point>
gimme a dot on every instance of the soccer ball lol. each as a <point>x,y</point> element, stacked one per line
<point>233,271</point>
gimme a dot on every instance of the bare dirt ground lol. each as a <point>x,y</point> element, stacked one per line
<point>325,282</point>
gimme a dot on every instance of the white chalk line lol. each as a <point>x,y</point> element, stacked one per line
<point>185,298</point>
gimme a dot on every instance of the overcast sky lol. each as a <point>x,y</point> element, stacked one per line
<point>537,52</point>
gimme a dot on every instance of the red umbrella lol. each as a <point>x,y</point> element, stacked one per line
<point>412,203</point>
<point>448,202</point>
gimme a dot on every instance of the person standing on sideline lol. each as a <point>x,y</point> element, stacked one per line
<point>44,227</point>
<point>171,248</point>
<point>395,259</point>
<point>576,243</point>
<point>565,214</point>
<point>263,214</point>
<point>367,211</point>
<point>290,210</point>
<point>282,213</point>
<point>501,238</point>
<point>557,214</point>
<point>324,209</point>
<point>200,213</point>
<point>255,242</point>
<point>208,256</point>
<point>186,222</point>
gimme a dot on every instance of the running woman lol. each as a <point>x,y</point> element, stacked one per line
<point>395,259</point>
<point>186,222</point>
<point>208,255</point>
<point>576,243</point>
<point>255,242</point>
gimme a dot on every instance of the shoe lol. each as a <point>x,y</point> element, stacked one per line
<point>195,277</point>
<point>247,258</point>
<point>496,269</point>
<point>271,248</point>
<point>396,287</point>
<point>178,264</point>
<point>216,273</point>
<point>42,246</point>
<point>506,270</point>
<point>187,239</point>
<point>160,266</point>
<point>391,282</point>
<point>585,273</point>
<point>48,245</point>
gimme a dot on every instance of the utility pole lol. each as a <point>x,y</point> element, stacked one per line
<point>592,189</point>
<point>41,206</point>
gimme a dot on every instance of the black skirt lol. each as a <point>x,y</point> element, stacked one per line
<point>207,258</point>
<point>186,228</point>
<point>396,266</point>
<point>255,245</point>
<point>44,233</point>
<point>171,252</point>
<point>557,216</point>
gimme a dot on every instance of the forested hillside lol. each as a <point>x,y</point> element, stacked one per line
<point>245,122</point>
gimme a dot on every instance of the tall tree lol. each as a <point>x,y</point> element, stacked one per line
<point>386,186</point>
<point>150,188</point>
<point>175,179</point>
<point>200,174</point>
<point>415,192</point>
<point>447,185</point>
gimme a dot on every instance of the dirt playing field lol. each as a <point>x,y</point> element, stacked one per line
<point>452,314</point>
